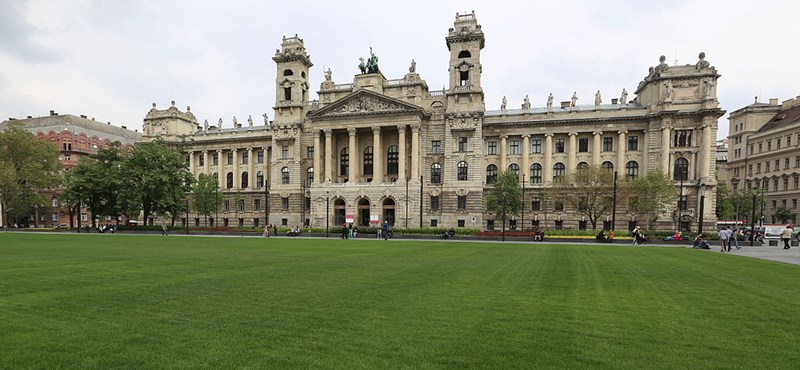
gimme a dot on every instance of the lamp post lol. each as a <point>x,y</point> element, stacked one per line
<point>680,204</point>
<point>505,197</point>
<point>216,205</point>
<point>327,212</point>
<point>187,213</point>
<point>420,200</point>
<point>266,203</point>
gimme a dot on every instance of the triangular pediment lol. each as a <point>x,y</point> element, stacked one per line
<point>363,103</point>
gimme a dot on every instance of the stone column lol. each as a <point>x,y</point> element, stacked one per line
<point>621,147</point>
<point>503,153</point>
<point>317,168</point>
<point>251,175</point>
<point>377,155</point>
<point>220,170</point>
<point>352,172</point>
<point>191,164</point>
<point>236,177</point>
<point>415,150</point>
<point>526,153</point>
<point>548,159</point>
<point>596,148</point>
<point>206,163</point>
<point>572,150</point>
<point>401,143</point>
<point>705,153</point>
<point>266,167</point>
<point>328,155</point>
<point>665,134</point>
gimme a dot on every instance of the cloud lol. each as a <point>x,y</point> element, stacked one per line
<point>19,37</point>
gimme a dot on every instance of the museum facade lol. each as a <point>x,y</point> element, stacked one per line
<point>376,149</point>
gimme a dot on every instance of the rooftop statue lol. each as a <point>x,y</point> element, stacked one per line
<point>372,62</point>
<point>362,66</point>
<point>328,74</point>
<point>574,99</point>
<point>413,67</point>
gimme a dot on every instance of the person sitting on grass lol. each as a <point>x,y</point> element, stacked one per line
<point>601,236</point>
<point>700,242</point>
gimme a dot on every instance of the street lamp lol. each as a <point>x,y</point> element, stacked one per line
<point>266,203</point>
<point>505,197</point>
<point>187,213</point>
<point>523,204</point>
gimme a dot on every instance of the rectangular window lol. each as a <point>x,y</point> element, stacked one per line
<point>536,146</point>
<point>54,217</point>
<point>633,143</point>
<point>84,218</point>
<point>583,144</point>
<point>310,152</point>
<point>260,157</point>
<point>760,147</point>
<point>215,158</point>
<point>284,222</point>
<point>245,157</point>
<point>766,167</point>
<point>769,145</point>
<point>559,224</point>
<point>786,163</point>
<point>788,141</point>
<point>489,224</point>
<point>777,165</point>
<point>462,202</point>
<point>226,205</point>
<point>256,204</point>
<point>608,144</point>
<point>462,223</point>
<point>491,148</point>
<point>559,144</point>
<point>786,184</point>
<point>463,144</point>
<point>513,146</point>
<point>230,158</point>
<point>558,206</point>
<point>778,143</point>
<point>794,203</point>
<point>201,160</point>
<point>632,204</point>
<point>434,203</point>
<point>240,205</point>
<point>285,204</point>
<point>797,161</point>
<point>796,182</point>
<point>758,167</point>
<point>536,204</point>
<point>775,185</point>
<point>434,222</point>
<point>436,146</point>
<point>749,169</point>
<point>285,151</point>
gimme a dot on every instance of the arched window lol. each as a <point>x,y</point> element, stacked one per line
<point>462,170</point>
<point>681,171</point>
<point>245,180</point>
<point>260,179</point>
<point>392,156</point>
<point>309,176</point>
<point>368,161</point>
<point>229,180</point>
<point>344,162</point>
<point>464,54</point>
<point>436,173</point>
<point>216,179</point>
<point>285,175</point>
<point>583,166</point>
<point>632,170</point>
<point>536,173</point>
<point>558,172</point>
<point>514,168</point>
<point>608,166</point>
<point>288,72</point>
<point>491,174</point>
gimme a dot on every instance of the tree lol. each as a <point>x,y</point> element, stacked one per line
<point>737,205</point>
<point>726,207</point>
<point>27,167</point>
<point>157,179</point>
<point>506,197</point>
<point>206,197</point>
<point>588,190</point>
<point>654,194</point>
<point>783,215</point>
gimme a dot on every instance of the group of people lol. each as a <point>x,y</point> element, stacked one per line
<point>729,237</point>
<point>605,236</point>
<point>270,229</point>
<point>447,234</point>
<point>538,235</point>
<point>349,231</point>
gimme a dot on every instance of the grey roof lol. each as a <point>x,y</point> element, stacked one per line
<point>78,125</point>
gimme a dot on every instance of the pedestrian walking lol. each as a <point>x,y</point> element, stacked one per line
<point>385,230</point>
<point>786,236</point>
<point>723,240</point>
<point>164,230</point>
<point>265,234</point>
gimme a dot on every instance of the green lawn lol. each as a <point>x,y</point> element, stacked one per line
<point>113,301</point>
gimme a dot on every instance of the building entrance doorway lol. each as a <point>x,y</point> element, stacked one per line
<point>338,211</point>
<point>388,211</point>
<point>363,212</point>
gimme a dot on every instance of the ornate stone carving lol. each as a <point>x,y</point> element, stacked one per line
<point>367,104</point>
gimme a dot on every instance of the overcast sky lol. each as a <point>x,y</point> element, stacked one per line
<point>113,59</point>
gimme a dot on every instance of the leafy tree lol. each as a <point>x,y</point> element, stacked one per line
<point>71,195</point>
<point>506,197</point>
<point>589,191</point>
<point>783,215</point>
<point>96,182</point>
<point>737,205</point>
<point>157,179</point>
<point>206,197</point>
<point>27,167</point>
<point>726,207</point>
<point>654,194</point>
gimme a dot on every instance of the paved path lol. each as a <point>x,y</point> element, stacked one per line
<point>777,254</point>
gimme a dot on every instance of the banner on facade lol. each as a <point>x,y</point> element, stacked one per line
<point>348,219</point>
<point>374,219</point>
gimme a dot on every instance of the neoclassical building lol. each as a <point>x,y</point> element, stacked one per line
<point>374,149</point>
<point>764,154</point>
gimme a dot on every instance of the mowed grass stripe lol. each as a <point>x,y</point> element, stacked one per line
<point>99,301</point>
